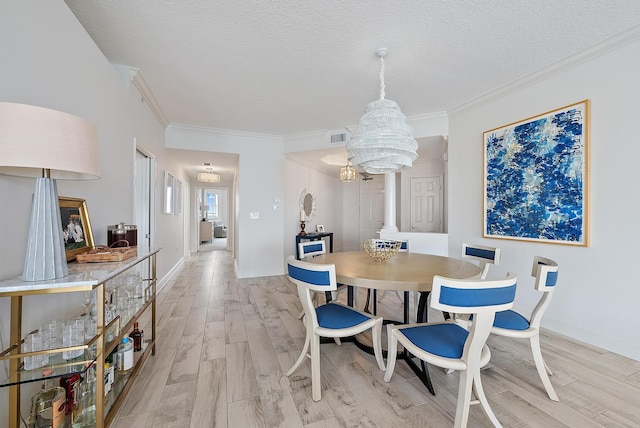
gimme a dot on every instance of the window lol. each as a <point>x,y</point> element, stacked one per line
<point>212,203</point>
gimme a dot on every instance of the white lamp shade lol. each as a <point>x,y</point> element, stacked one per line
<point>208,177</point>
<point>34,138</point>
<point>383,141</point>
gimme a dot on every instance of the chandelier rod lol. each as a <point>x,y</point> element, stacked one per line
<point>382,52</point>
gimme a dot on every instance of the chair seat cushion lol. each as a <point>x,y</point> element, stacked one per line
<point>445,340</point>
<point>510,320</point>
<point>338,316</point>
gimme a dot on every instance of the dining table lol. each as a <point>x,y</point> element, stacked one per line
<point>406,272</point>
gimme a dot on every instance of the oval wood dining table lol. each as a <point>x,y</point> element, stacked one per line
<point>404,272</point>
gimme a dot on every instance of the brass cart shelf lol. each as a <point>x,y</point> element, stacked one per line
<point>82,277</point>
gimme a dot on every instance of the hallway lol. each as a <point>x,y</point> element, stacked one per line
<point>225,343</point>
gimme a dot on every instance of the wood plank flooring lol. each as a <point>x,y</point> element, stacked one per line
<point>224,346</point>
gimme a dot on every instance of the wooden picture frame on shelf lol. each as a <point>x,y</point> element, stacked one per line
<point>76,227</point>
<point>320,228</point>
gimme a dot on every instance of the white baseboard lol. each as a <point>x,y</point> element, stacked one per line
<point>165,279</point>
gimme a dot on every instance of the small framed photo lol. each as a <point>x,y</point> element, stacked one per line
<point>320,228</point>
<point>76,228</point>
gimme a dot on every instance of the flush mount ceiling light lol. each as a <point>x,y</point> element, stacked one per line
<point>347,173</point>
<point>209,176</point>
<point>383,141</point>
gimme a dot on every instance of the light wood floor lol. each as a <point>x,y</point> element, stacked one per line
<point>224,345</point>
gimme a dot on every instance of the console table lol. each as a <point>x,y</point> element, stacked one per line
<point>315,236</point>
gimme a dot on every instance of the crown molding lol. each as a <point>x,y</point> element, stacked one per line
<point>226,134</point>
<point>138,81</point>
<point>610,44</point>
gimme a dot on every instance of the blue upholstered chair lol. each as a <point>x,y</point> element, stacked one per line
<point>511,324</point>
<point>308,249</point>
<point>451,346</point>
<point>332,319</point>
<point>485,256</point>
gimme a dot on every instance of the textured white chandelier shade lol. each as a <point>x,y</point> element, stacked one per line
<point>383,141</point>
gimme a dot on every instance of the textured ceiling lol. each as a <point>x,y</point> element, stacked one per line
<point>284,67</point>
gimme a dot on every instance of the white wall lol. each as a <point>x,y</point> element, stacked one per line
<point>328,193</point>
<point>598,294</point>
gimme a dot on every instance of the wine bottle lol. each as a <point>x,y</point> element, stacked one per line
<point>136,335</point>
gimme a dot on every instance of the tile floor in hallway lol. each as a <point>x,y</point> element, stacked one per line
<point>225,343</point>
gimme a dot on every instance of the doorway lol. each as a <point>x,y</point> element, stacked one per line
<point>213,213</point>
<point>144,191</point>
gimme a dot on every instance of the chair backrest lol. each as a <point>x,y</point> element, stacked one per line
<point>404,244</point>
<point>485,256</point>
<point>311,276</point>
<point>473,295</point>
<point>311,248</point>
<point>545,272</point>
<point>482,298</point>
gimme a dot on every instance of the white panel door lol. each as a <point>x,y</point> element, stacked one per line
<point>426,204</point>
<point>371,207</point>
<point>143,201</point>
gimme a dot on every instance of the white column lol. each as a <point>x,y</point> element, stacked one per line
<point>390,202</point>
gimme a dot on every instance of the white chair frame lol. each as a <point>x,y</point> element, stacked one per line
<point>475,353</point>
<point>545,273</point>
<point>297,271</point>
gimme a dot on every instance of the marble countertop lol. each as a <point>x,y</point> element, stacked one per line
<point>80,274</point>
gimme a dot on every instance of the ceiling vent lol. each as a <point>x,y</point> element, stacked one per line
<point>338,137</point>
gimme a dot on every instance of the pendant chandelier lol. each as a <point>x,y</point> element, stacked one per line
<point>347,173</point>
<point>383,141</point>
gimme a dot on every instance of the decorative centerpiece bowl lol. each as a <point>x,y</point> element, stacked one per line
<point>381,250</point>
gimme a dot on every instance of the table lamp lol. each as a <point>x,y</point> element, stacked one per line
<point>47,144</point>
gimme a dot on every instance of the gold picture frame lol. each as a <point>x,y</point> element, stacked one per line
<point>536,178</point>
<point>76,227</point>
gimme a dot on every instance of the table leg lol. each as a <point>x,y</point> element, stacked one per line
<point>421,371</point>
<point>423,307</point>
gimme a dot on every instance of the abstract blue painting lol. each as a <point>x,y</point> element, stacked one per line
<point>535,178</point>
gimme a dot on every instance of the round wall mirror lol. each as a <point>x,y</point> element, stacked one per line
<point>308,203</point>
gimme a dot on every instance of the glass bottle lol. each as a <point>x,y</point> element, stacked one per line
<point>48,406</point>
<point>87,416</point>
<point>71,385</point>
<point>125,358</point>
<point>136,335</point>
